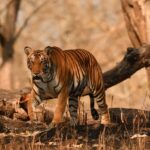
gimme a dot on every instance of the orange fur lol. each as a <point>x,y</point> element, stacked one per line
<point>65,74</point>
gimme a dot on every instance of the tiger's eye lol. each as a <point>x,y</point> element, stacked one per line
<point>43,61</point>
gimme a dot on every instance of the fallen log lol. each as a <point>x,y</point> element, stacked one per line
<point>124,120</point>
<point>124,116</point>
<point>9,101</point>
<point>8,125</point>
<point>11,106</point>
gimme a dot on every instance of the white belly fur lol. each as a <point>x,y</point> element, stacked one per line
<point>51,89</point>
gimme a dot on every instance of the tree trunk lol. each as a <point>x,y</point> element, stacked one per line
<point>147,16</point>
<point>133,60</point>
<point>9,29</point>
<point>137,19</point>
<point>8,39</point>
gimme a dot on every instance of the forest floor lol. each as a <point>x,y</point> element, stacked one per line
<point>130,129</point>
<point>120,136</point>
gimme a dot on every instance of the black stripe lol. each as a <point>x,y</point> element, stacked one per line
<point>73,110</point>
<point>36,92</point>
<point>37,86</point>
<point>37,98</point>
<point>73,106</point>
<point>73,98</point>
<point>74,115</point>
<point>101,90</point>
<point>73,102</point>
<point>100,95</point>
<point>100,98</point>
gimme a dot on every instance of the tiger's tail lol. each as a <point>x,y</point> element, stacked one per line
<point>94,112</point>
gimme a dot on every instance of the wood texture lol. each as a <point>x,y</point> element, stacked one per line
<point>8,29</point>
<point>133,60</point>
<point>137,19</point>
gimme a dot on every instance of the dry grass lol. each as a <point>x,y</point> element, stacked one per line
<point>107,140</point>
<point>85,137</point>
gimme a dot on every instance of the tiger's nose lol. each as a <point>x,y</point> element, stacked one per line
<point>36,74</point>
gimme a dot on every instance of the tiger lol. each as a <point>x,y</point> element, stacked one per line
<point>66,75</point>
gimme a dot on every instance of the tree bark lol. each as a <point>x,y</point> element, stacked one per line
<point>133,60</point>
<point>8,29</point>
<point>137,19</point>
<point>7,35</point>
<point>147,16</point>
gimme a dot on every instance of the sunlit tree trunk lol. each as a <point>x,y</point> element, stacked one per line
<point>147,15</point>
<point>8,29</point>
<point>7,34</point>
<point>137,18</point>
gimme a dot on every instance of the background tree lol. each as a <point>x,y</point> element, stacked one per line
<point>137,18</point>
<point>8,30</point>
<point>7,35</point>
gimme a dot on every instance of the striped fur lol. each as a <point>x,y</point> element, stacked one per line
<point>65,74</point>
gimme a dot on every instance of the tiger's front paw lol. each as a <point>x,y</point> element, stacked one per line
<point>32,117</point>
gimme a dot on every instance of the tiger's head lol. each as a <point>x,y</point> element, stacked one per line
<point>39,63</point>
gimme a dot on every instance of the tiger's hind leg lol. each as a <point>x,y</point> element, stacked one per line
<point>100,99</point>
<point>73,107</point>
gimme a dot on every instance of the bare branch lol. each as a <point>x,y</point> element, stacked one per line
<point>28,19</point>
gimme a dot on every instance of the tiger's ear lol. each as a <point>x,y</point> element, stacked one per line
<point>48,49</point>
<point>27,50</point>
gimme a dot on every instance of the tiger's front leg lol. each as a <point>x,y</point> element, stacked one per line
<point>30,106</point>
<point>60,108</point>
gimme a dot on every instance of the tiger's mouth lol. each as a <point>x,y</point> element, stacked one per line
<point>36,78</point>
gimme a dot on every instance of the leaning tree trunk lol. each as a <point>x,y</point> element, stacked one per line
<point>137,18</point>
<point>147,15</point>
<point>8,39</point>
